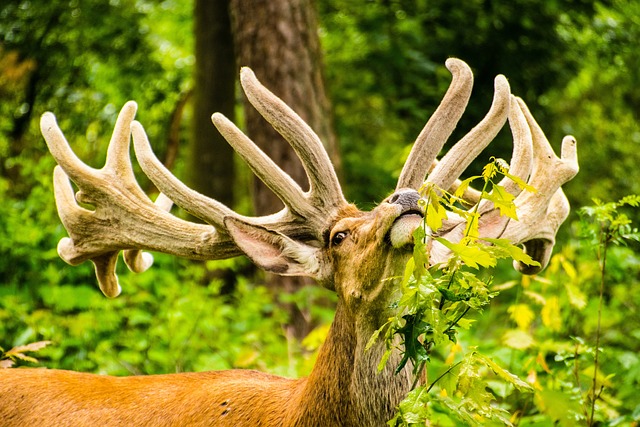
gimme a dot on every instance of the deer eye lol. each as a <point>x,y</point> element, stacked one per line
<point>339,237</point>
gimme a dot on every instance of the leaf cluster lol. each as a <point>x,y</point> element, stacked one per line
<point>607,223</point>
<point>436,300</point>
<point>8,358</point>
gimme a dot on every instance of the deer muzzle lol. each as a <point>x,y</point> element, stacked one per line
<point>410,218</point>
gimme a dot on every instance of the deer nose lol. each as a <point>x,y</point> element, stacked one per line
<point>406,197</point>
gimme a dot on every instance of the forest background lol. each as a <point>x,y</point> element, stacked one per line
<point>576,64</point>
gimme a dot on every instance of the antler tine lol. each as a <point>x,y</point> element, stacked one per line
<point>203,207</point>
<point>61,150</point>
<point>439,127</point>
<point>520,166</point>
<point>522,156</point>
<point>324,185</point>
<point>71,214</point>
<point>282,185</point>
<point>550,172</point>
<point>299,215</point>
<point>118,200</point>
<point>464,151</point>
<point>542,212</point>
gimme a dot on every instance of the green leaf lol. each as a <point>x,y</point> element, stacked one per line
<point>414,350</point>
<point>472,255</point>
<point>435,215</point>
<point>463,187</point>
<point>453,296</point>
<point>504,374</point>
<point>503,200</point>
<point>560,406</point>
<point>408,271</point>
<point>414,408</point>
<point>374,338</point>
<point>514,252</point>
<point>631,200</point>
<point>384,359</point>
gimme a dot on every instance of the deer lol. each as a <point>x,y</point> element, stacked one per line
<point>356,254</point>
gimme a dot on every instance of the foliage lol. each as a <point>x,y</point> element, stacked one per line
<point>436,300</point>
<point>575,63</point>
<point>601,102</point>
<point>8,358</point>
<point>558,372</point>
<point>171,319</point>
<point>81,59</point>
<point>570,334</point>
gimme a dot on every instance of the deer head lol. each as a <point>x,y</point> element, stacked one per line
<point>318,233</point>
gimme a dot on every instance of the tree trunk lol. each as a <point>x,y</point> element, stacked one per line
<point>211,161</point>
<point>278,39</point>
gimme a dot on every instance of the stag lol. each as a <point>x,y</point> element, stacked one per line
<point>317,234</point>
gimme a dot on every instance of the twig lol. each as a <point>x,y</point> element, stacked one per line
<point>603,245</point>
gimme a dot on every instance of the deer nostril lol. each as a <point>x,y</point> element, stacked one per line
<point>407,198</point>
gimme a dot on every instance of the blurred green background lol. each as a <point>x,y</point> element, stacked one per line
<point>575,63</point>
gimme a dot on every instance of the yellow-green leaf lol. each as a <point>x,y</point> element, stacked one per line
<point>503,200</point>
<point>34,346</point>
<point>504,374</point>
<point>551,314</point>
<point>515,252</point>
<point>471,255</point>
<point>518,339</point>
<point>577,298</point>
<point>522,315</point>
<point>436,213</point>
<point>489,171</point>
<point>463,187</point>
<point>523,185</point>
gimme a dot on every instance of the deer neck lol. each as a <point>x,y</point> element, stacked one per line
<point>345,387</point>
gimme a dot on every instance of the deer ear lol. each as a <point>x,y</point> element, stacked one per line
<point>274,252</point>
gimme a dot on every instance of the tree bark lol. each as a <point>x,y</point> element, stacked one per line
<point>278,39</point>
<point>211,161</point>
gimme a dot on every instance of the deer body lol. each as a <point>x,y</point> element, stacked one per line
<point>359,255</point>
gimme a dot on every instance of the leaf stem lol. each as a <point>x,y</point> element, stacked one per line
<point>442,375</point>
<point>457,319</point>
<point>603,246</point>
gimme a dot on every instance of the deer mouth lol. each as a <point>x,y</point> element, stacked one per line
<point>401,232</point>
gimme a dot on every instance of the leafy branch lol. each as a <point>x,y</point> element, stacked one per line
<point>436,301</point>
<point>607,226</point>
<point>10,357</point>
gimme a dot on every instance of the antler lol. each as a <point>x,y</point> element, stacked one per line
<point>542,212</point>
<point>305,213</point>
<point>124,218</point>
<point>533,160</point>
